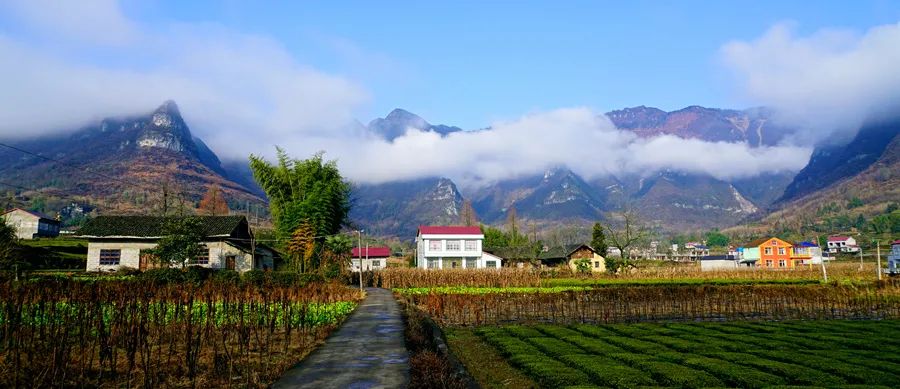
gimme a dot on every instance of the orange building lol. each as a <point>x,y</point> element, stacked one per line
<point>772,253</point>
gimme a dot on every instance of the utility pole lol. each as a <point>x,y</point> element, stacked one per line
<point>824,272</point>
<point>859,247</point>
<point>878,255</point>
<point>359,256</point>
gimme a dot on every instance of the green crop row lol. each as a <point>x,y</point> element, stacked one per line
<point>486,290</point>
<point>687,355</point>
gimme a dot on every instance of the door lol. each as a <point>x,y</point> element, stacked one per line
<point>229,262</point>
<point>145,261</point>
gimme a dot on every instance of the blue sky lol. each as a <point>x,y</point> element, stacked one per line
<point>469,63</point>
<point>251,75</point>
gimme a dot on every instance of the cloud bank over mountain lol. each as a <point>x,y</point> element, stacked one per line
<point>245,93</point>
<point>826,83</point>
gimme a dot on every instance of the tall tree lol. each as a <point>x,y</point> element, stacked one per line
<point>627,234</point>
<point>468,216</point>
<point>8,245</point>
<point>182,243</point>
<point>213,202</point>
<point>512,221</point>
<point>303,191</point>
<point>598,240</point>
<point>716,239</point>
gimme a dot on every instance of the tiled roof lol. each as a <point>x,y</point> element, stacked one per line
<point>560,252</point>
<point>838,238</point>
<point>153,226</point>
<point>32,213</point>
<point>450,230</point>
<point>372,252</point>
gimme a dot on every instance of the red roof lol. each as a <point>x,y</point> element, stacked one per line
<point>377,252</point>
<point>837,238</point>
<point>896,242</point>
<point>450,230</point>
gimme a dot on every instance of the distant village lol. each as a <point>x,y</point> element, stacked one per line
<point>122,241</point>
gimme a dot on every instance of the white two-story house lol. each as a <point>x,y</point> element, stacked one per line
<point>451,247</point>
<point>894,258</point>
<point>842,244</point>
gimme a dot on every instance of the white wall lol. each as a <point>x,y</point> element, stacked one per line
<point>368,263</point>
<point>130,255</point>
<point>718,264</point>
<point>425,252</point>
<point>28,225</point>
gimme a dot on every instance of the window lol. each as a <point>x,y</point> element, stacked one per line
<point>434,245</point>
<point>471,263</point>
<point>432,263</point>
<point>471,245</point>
<point>376,263</point>
<point>491,264</point>
<point>454,264</point>
<point>768,251</point>
<point>781,251</point>
<point>768,263</point>
<point>782,263</point>
<point>596,264</point>
<point>203,258</point>
<point>110,257</point>
<point>453,245</point>
<point>774,242</point>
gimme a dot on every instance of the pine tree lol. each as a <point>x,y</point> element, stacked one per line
<point>598,240</point>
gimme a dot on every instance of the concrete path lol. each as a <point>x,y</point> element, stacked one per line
<point>368,351</point>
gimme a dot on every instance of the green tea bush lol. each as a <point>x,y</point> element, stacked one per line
<point>795,374</point>
<point>592,330</point>
<point>549,372</point>
<point>593,346</point>
<point>523,332</point>
<point>733,374</point>
<point>852,373</point>
<point>555,347</point>
<point>557,331</point>
<point>635,345</point>
<point>608,372</point>
<point>667,373</point>
<point>682,345</point>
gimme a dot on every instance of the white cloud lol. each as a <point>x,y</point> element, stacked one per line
<point>244,93</point>
<point>827,82</point>
<point>92,21</point>
<point>578,138</point>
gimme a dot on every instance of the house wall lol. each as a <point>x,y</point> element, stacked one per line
<point>773,259</point>
<point>371,263</point>
<point>219,251</point>
<point>29,226</point>
<point>598,263</point>
<point>446,258</point>
<point>718,264</point>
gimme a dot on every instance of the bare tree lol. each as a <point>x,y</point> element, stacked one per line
<point>629,232</point>
<point>468,217</point>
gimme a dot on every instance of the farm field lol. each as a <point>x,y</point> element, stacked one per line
<point>822,353</point>
<point>127,333</point>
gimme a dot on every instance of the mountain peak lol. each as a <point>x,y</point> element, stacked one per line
<point>168,107</point>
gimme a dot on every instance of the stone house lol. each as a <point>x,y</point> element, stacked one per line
<point>124,241</point>
<point>31,225</point>
<point>569,256</point>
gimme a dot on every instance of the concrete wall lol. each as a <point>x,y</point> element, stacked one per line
<point>368,264</point>
<point>424,250</point>
<point>219,251</point>
<point>598,263</point>
<point>718,264</point>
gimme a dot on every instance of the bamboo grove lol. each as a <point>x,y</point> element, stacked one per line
<point>129,334</point>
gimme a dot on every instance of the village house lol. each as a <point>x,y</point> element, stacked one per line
<point>695,250</point>
<point>770,253</point>
<point>570,255</point>
<point>842,244</point>
<point>451,247</point>
<point>373,258</point>
<point>807,253</point>
<point>31,225</point>
<point>519,257</point>
<point>894,258</point>
<point>124,241</point>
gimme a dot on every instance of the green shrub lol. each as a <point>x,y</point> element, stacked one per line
<point>198,274</point>
<point>254,277</point>
<point>629,330</point>
<point>550,372</point>
<point>676,375</point>
<point>592,330</point>
<point>795,374</point>
<point>557,331</point>
<point>682,345</point>
<point>523,332</point>
<point>163,276</point>
<point>555,347</point>
<point>733,374</point>
<point>594,346</point>
<point>635,345</point>
<point>853,374</point>
<point>608,372</point>
<point>225,277</point>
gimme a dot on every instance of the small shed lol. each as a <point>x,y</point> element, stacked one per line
<point>31,224</point>
<point>718,262</point>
